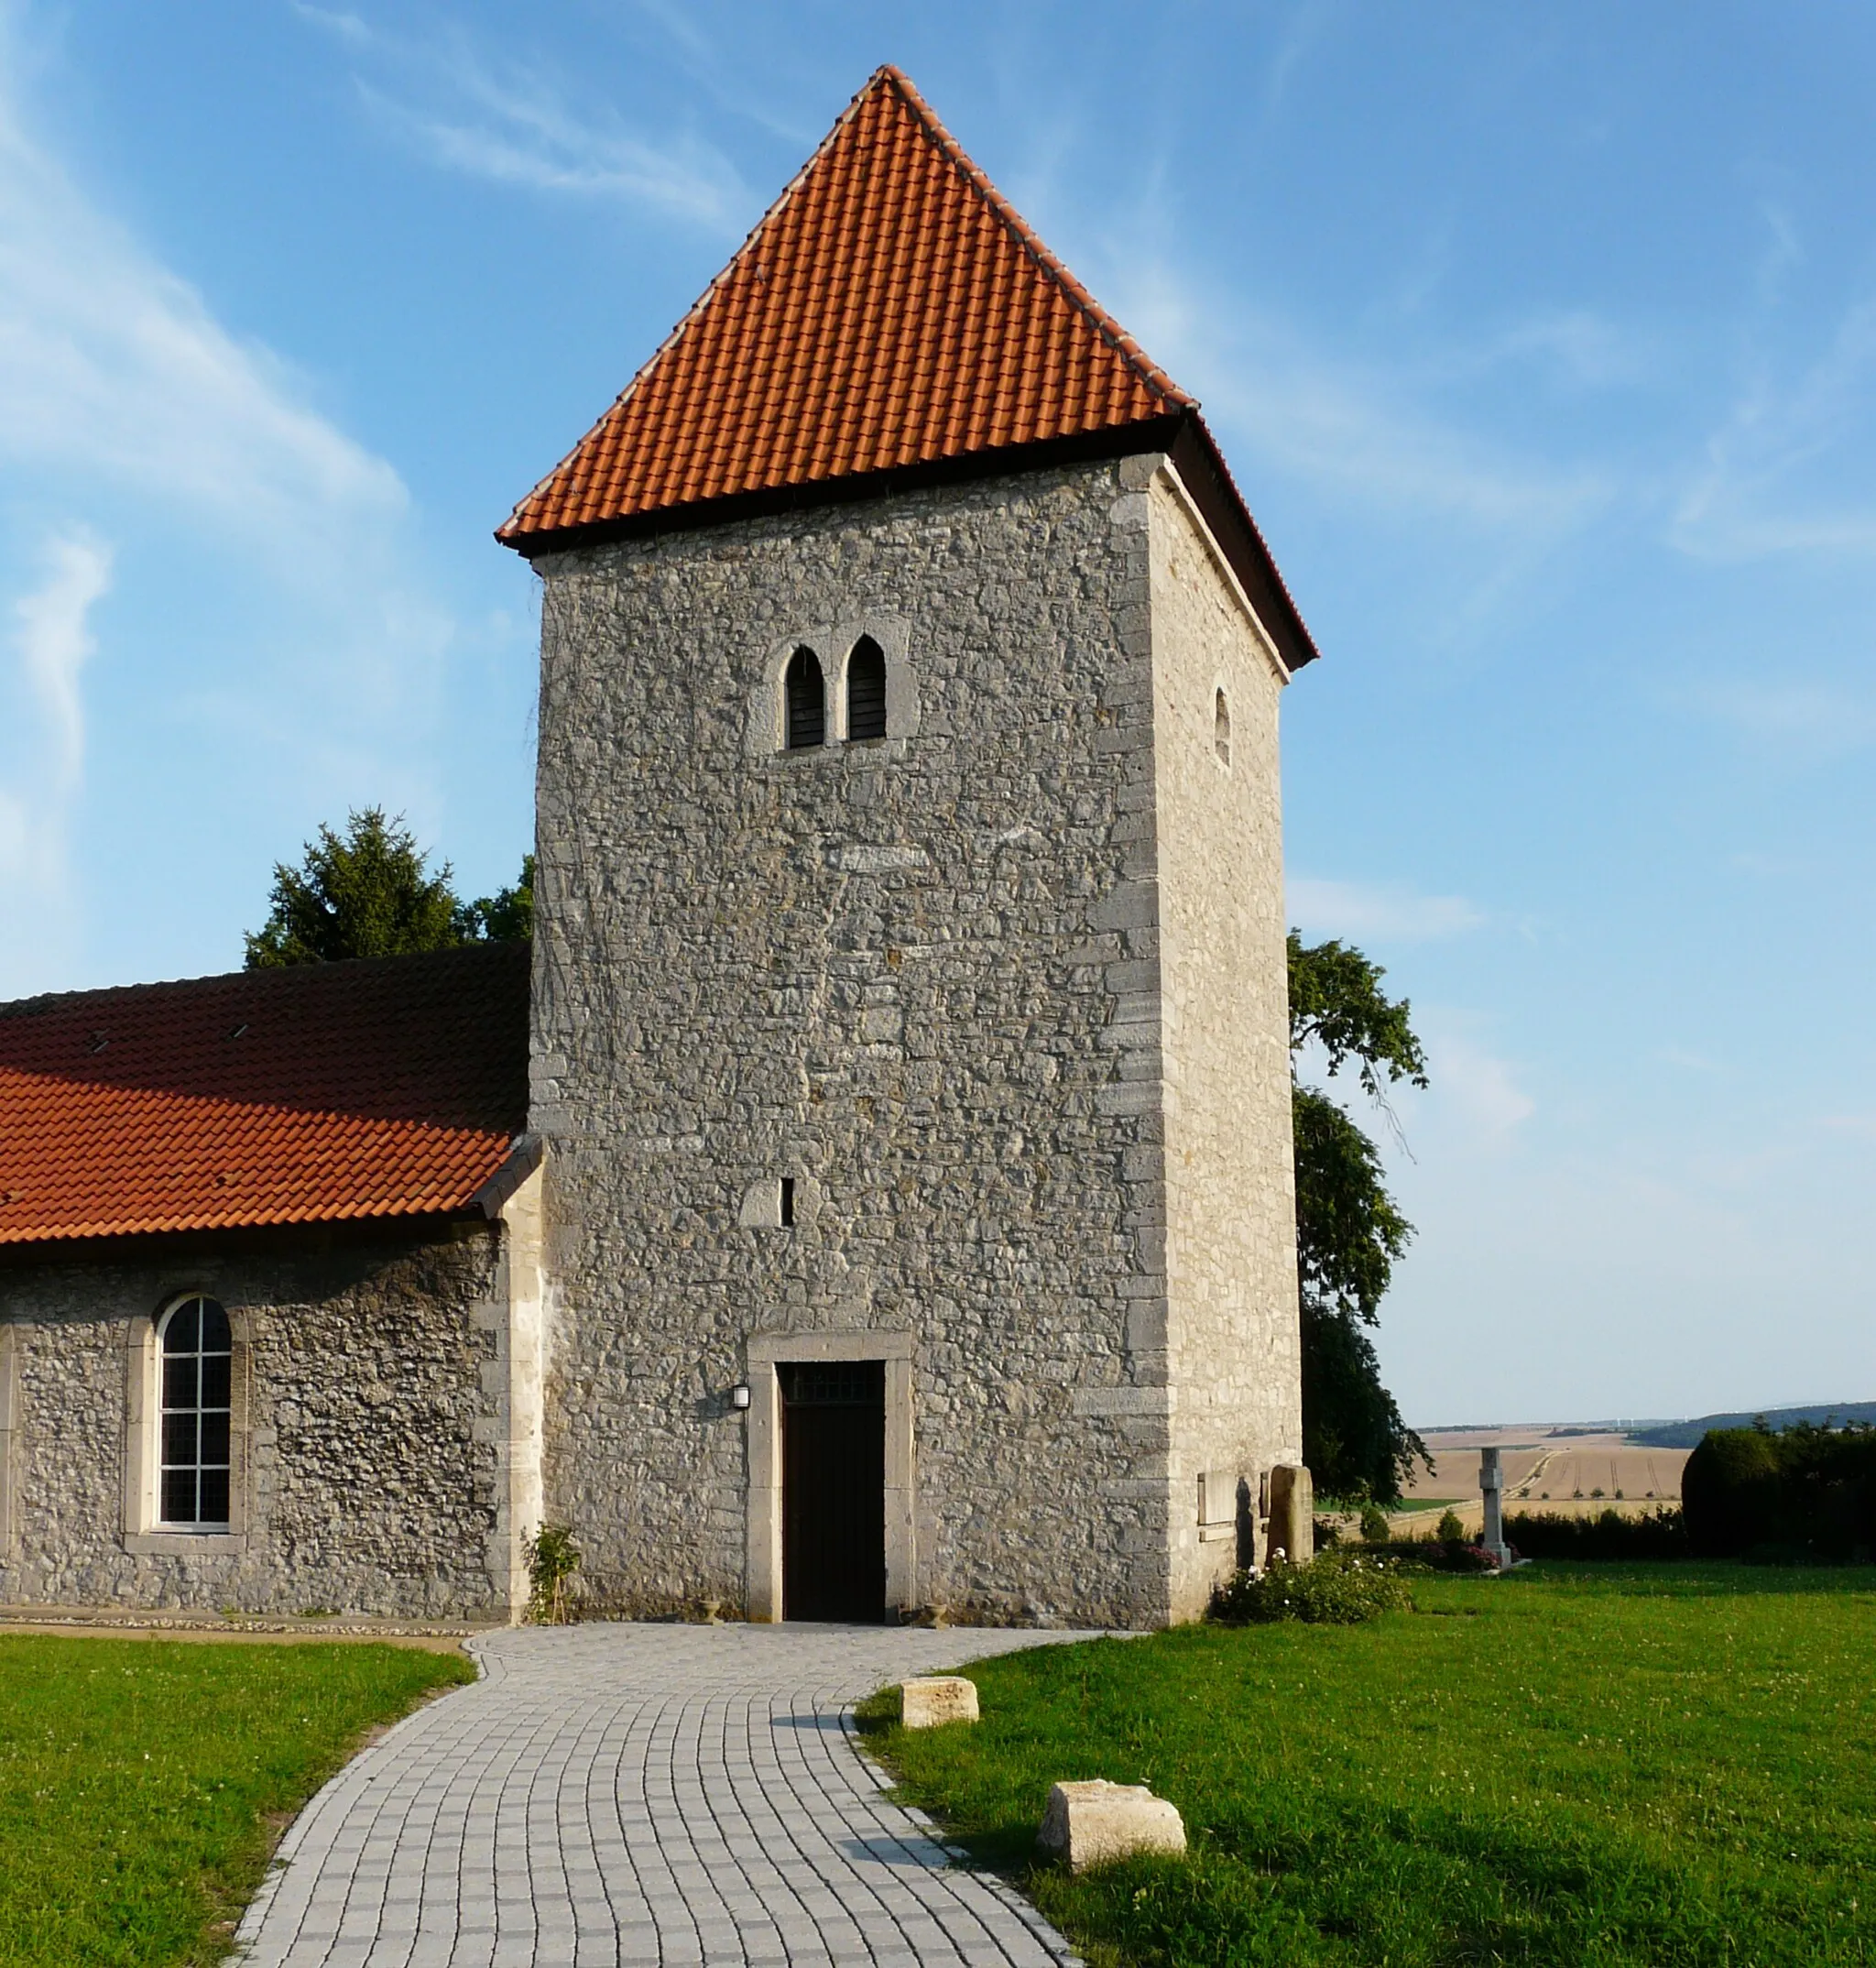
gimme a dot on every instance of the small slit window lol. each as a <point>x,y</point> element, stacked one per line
<point>196,1359</point>
<point>1221,729</point>
<point>804,693</point>
<point>866,691</point>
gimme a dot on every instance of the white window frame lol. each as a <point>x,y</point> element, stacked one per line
<point>144,1531</point>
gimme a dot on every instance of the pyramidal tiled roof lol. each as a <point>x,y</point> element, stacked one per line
<point>890,313</point>
<point>393,1087</point>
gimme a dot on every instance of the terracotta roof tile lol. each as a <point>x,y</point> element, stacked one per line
<point>891,310</point>
<point>390,1087</point>
<point>890,313</point>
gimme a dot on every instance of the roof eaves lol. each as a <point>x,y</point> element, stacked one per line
<point>62,1240</point>
<point>1202,467</point>
<point>1107,440</point>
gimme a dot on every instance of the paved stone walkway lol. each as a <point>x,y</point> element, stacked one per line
<point>643,1797</point>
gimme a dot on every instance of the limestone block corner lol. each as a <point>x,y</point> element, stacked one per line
<point>1099,1823</point>
<point>930,1701</point>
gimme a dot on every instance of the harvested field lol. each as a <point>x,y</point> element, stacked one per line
<point>1547,1471</point>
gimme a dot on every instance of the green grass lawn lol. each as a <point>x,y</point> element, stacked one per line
<point>1578,1765</point>
<point>142,1782</point>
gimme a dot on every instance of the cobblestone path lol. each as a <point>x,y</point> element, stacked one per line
<point>639,1796</point>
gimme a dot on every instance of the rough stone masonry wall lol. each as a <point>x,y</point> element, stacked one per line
<point>918,975</point>
<point>1234,1360</point>
<point>369,1376</point>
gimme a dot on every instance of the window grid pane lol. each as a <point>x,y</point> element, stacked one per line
<point>197,1350</point>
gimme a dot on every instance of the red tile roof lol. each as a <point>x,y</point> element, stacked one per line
<point>395,1087</point>
<point>890,313</point>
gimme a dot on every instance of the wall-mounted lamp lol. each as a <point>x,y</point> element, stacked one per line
<point>739,1395</point>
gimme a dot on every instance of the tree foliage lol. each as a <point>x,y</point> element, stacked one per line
<point>1336,1002</point>
<point>507,916</point>
<point>370,892</point>
<point>1348,1232</point>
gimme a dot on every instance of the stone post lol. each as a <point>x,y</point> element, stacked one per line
<point>1292,1514</point>
<point>1491,1482</point>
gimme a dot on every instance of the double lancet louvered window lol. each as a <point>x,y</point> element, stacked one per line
<point>805,696</point>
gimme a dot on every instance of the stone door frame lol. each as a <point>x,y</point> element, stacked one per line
<point>763,1434</point>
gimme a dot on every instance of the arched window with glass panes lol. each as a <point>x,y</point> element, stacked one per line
<point>196,1359</point>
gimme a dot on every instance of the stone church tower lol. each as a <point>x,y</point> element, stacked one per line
<point>910,1043</point>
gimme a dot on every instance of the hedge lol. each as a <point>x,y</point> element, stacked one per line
<point>1805,1493</point>
<point>1550,1534</point>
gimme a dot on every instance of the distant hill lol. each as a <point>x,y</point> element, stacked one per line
<point>1687,1434</point>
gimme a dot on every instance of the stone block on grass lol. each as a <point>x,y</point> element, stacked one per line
<point>1096,1823</point>
<point>934,1699</point>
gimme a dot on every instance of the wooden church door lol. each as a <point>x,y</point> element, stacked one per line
<point>834,1490</point>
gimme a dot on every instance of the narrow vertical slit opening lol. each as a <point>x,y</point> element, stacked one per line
<point>788,1202</point>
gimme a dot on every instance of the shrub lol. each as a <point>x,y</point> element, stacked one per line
<point>1451,1531</point>
<point>1661,1533</point>
<point>552,1560</point>
<point>1374,1525</point>
<point>1455,1554</point>
<point>1808,1491</point>
<point>1340,1589</point>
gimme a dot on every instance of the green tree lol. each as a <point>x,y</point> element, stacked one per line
<point>507,916</point>
<point>1348,1232</point>
<point>370,892</point>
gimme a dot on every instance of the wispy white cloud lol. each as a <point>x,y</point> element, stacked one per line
<point>55,639</point>
<point>1377,913</point>
<point>1692,1062</point>
<point>1474,1083</point>
<point>1584,346</point>
<point>267,618</point>
<point>525,136</point>
<point>466,111</point>
<point>1301,35</point>
<point>1787,470</point>
<point>338,21</point>
<point>1343,425</point>
<point>51,642</point>
<point>1796,716</point>
<point>111,364</point>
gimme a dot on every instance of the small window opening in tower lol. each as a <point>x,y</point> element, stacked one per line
<point>788,1202</point>
<point>866,690</point>
<point>806,694</point>
<point>1221,730</point>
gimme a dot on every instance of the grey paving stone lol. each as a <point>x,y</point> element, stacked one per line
<point>643,1797</point>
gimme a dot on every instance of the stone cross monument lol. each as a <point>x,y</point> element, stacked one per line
<point>1491,1482</point>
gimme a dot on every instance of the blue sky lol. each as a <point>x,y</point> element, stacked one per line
<point>1542,341</point>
